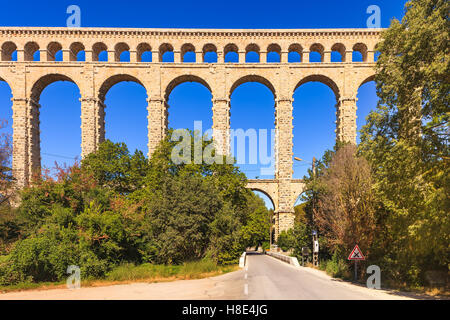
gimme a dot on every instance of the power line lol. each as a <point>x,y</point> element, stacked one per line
<point>60,156</point>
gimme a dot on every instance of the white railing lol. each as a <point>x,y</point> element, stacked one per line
<point>291,260</point>
<point>242,260</point>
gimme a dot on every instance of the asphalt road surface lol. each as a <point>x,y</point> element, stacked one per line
<point>262,278</point>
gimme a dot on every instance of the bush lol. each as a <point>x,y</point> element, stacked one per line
<point>116,208</point>
<point>337,268</point>
<point>285,240</point>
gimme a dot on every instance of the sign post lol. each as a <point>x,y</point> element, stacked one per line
<point>355,256</point>
<point>315,249</point>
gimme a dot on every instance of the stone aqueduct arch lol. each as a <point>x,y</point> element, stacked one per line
<point>94,78</point>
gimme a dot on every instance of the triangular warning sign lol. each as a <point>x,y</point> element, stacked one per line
<point>356,254</point>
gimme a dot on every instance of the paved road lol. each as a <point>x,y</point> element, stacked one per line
<point>263,278</point>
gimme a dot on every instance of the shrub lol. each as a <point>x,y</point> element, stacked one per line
<point>337,268</point>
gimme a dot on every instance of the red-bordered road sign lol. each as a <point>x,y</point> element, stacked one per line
<point>356,254</point>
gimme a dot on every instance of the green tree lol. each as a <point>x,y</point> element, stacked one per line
<point>9,228</point>
<point>257,229</point>
<point>406,141</point>
<point>346,208</point>
<point>113,167</point>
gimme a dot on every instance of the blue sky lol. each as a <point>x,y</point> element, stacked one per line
<point>251,103</point>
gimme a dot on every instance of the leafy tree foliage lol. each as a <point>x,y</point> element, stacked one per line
<point>346,209</point>
<point>8,225</point>
<point>116,207</point>
<point>406,141</point>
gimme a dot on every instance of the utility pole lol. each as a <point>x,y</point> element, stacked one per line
<point>314,167</point>
<point>315,237</point>
<point>314,233</point>
<point>315,249</point>
<point>270,230</point>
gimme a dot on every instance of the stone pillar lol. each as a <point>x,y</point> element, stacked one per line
<point>346,120</point>
<point>155,56</point>
<point>283,170</point>
<point>241,56</point>
<point>34,138</point>
<point>220,57</point>
<point>284,58</point>
<point>20,55</point>
<point>263,55</point>
<point>20,142</point>
<point>221,126</point>
<point>92,124</point>
<point>157,122</point>
<point>305,56</point>
<point>44,55</point>
<point>198,57</point>
<point>177,58</point>
<point>67,55</point>
<point>89,55</point>
<point>348,56</point>
<point>370,56</point>
<point>112,56</point>
<point>327,56</point>
<point>133,56</point>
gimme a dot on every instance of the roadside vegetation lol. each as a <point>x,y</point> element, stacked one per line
<point>129,273</point>
<point>120,216</point>
<point>389,195</point>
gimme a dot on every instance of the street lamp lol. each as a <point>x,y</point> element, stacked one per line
<point>313,164</point>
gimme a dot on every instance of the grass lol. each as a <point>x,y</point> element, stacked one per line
<point>129,273</point>
<point>189,270</point>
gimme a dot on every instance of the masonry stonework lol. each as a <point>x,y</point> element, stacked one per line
<point>28,78</point>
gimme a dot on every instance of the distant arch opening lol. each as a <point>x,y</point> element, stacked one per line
<point>9,51</point>
<point>122,52</point>
<point>316,53</point>
<point>295,53</point>
<point>359,53</point>
<point>338,53</point>
<point>77,52</point>
<point>31,52</point>
<point>100,52</point>
<point>188,53</point>
<point>274,53</point>
<point>231,53</point>
<point>252,53</point>
<point>54,52</point>
<point>144,52</point>
<point>166,53</point>
<point>210,53</point>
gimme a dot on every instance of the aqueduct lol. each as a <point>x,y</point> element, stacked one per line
<point>29,63</point>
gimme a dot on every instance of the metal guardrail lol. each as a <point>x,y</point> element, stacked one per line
<point>291,260</point>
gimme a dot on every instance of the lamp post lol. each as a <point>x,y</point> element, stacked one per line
<point>270,230</point>
<point>314,232</point>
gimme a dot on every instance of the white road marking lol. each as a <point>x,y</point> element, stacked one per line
<point>246,289</point>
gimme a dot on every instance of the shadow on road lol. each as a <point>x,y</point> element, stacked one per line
<point>412,295</point>
<point>254,253</point>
